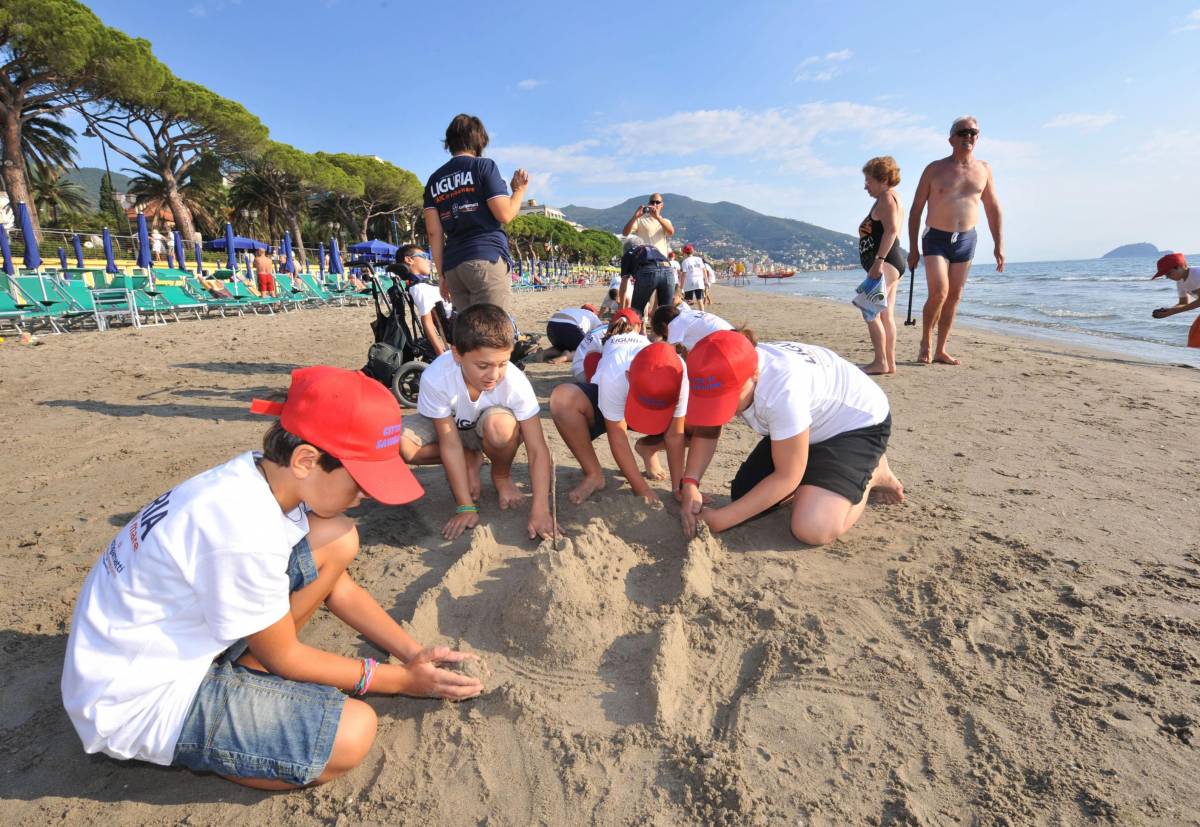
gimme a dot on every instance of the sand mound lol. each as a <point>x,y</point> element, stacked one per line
<point>572,604</point>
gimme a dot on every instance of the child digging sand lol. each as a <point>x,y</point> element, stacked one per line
<point>473,403</point>
<point>183,648</point>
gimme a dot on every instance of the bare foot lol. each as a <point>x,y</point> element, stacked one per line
<point>875,369</point>
<point>474,463</point>
<point>886,488</point>
<point>565,356</point>
<point>585,489</point>
<point>649,455</point>
<point>506,489</point>
<point>923,355</point>
<point>944,358</point>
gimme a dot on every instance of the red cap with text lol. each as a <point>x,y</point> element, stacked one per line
<point>655,376</point>
<point>718,366</point>
<point>1169,262</point>
<point>353,418</point>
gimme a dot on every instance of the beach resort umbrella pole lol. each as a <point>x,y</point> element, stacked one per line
<point>912,281</point>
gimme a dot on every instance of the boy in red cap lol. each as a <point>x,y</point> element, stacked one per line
<point>694,280</point>
<point>183,648</point>
<point>622,396</point>
<point>825,427</point>
<point>1187,283</point>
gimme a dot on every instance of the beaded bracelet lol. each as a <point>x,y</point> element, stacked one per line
<point>467,509</point>
<point>364,680</point>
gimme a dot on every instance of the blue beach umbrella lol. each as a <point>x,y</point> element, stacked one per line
<point>289,265</point>
<point>230,254</point>
<point>199,258</point>
<point>335,259</point>
<point>33,258</point>
<point>143,236</point>
<point>180,259</point>
<point>321,259</point>
<point>62,258</point>
<point>110,265</point>
<point>78,250</point>
<point>6,251</point>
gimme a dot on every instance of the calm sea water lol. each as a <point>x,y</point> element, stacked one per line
<point>1102,304</point>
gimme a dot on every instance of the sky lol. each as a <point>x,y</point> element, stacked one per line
<point>1088,111</point>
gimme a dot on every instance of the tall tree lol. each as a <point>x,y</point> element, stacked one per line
<point>55,54</point>
<point>166,133</point>
<point>387,189</point>
<point>151,193</point>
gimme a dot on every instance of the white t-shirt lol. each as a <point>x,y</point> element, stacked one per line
<point>804,386</point>
<point>693,273</point>
<point>650,231</point>
<point>585,320</point>
<point>615,284</point>
<point>425,296</point>
<point>690,326</point>
<point>710,275</point>
<point>199,568</point>
<point>591,344</point>
<point>1189,286</point>
<point>613,382</point>
<point>444,393</point>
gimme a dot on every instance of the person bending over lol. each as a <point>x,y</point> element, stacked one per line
<point>473,403</point>
<point>679,325</point>
<point>567,328</point>
<point>184,647</point>
<point>1187,283</point>
<point>824,425</point>
<point>647,269</point>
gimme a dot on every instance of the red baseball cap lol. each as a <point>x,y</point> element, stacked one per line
<point>1169,262</point>
<point>589,307</point>
<point>589,364</point>
<point>630,315</point>
<point>353,418</point>
<point>655,376</point>
<point>718,366</point>
<point>688,249</point>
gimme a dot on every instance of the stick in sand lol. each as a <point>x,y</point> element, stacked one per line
<point>554,496</point>
<point>912,281</point>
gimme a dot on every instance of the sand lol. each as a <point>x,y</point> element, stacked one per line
<point>1016,644</point>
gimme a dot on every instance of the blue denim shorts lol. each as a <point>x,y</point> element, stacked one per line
<point>251,724</point>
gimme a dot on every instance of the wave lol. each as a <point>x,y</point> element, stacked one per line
<point>1060,313</point>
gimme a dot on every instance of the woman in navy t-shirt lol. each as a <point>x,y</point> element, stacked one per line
<point>466,204</point>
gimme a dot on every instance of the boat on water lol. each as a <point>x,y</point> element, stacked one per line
<point>778,274</point>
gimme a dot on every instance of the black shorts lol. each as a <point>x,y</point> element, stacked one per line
<point>842,464</point>
<point>592,391</point>
<point>690,295</point>
<point>564,335</point>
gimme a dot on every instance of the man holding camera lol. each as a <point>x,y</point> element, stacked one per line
<point>649,225</point>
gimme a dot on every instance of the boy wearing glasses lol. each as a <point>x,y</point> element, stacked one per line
<point>953,188</point>
<point>413,266</point>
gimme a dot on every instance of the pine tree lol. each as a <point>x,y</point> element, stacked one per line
<point>109,210</point>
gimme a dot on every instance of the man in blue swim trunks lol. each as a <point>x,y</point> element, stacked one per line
<point>953,188</point>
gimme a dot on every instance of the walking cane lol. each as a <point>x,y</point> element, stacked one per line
<point>911,284</point>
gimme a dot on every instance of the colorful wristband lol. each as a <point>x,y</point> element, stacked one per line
<point>364,680</point>
<point>467,509</point>
<point>686,480</point>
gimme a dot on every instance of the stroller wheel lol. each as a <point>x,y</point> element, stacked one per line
<point>406,383</point>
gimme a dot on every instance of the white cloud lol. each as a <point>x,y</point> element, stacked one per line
<point>529,83</point>
<point>822,68</point>
<point>1191,23</point>
<point>1080,120</point>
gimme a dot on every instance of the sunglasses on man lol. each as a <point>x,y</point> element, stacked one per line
<point>967,133</point>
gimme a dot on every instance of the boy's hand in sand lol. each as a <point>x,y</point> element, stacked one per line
<point>460,523</point>
<point>427,678</point>
<point>541,524</point>
<point>691,501</point>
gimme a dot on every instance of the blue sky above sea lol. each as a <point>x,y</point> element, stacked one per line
<point>1088,110</point>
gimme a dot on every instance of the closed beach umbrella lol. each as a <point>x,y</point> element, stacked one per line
<point>199,258</point>
<point>289,265</point>
<point>321,259</point>
<point>6,250</point>
<point>180,262</point>
<point>110,265</point>
<point>335,259</point>
<point>62,258</point>
<point>33,258</point>
<point>78,244</point>
<point>230,256</point>
<point>143,237</point>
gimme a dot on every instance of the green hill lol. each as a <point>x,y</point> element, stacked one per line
<point>727,230</point>
<point>89,178</point>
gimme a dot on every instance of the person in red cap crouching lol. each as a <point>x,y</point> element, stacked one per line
<point>620,397</point>
<point>183,648</point>
<point>1187,282</point>
<point>825,427</point>
<point>567,327</point>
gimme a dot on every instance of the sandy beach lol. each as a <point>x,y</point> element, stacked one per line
<point>1018,643</point>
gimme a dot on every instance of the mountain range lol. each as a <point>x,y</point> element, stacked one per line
<point>730,231</point>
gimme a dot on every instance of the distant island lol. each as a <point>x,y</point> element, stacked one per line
<point>1143,250</point>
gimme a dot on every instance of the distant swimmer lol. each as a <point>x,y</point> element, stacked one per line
<point>953,188</point>
<point>1187,282</point>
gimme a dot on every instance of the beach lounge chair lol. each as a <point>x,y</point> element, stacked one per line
<point>196,291</point>
<point>47,303</point>
<point>107,304</point>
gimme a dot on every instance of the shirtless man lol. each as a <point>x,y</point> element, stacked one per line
<point>953,188</point>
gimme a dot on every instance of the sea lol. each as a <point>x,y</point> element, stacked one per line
<point>1101,304</point>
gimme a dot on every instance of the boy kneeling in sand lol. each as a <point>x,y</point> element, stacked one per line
<point>472,402</point>
<point>183,646</point>
<point>636,385</point>
<point>825,427</point>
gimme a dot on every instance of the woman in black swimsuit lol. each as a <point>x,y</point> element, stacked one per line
<point>881,255</point>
